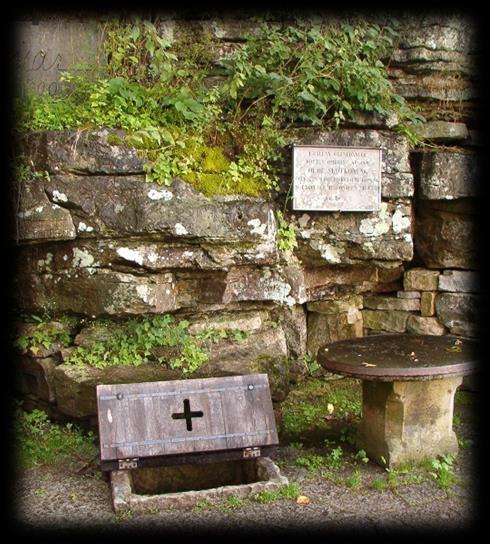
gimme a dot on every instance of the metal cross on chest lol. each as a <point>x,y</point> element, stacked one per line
<point>187,414</point>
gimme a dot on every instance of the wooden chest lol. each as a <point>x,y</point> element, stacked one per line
<point>185,421</point>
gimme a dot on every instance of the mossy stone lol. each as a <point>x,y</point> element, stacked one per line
<point>212,184</point>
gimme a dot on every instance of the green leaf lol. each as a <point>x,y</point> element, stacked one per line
<point>305,95</point>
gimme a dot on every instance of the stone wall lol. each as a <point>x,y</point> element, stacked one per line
<point>94,240</point>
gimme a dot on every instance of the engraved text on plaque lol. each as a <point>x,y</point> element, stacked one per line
<point>327,178</point>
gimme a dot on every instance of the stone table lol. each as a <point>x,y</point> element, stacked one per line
<point>408,387</point>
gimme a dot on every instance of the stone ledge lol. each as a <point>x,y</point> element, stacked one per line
<point>81,152</point>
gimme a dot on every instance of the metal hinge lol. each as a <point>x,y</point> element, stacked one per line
<point>249,453</point>
<point>125,464</point>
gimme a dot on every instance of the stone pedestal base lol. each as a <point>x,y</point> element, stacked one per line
<point>405,421</point>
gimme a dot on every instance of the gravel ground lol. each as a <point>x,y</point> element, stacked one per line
<point>60,496</point>
<point>52,498</point>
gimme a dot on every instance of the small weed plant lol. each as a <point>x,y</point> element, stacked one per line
<point>288,491</point>
<point>443,471</point>
<point>161,339</point>
<point>311,364</point>
<point>46,333</point>
<point>38,441</point>
<point>315,463</point>
<point>354,481</point>
<point>138,342</point>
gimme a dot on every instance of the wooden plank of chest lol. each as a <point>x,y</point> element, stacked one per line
<point>181,416</point>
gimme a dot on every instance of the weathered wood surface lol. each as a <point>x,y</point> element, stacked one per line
<point>151,419</point>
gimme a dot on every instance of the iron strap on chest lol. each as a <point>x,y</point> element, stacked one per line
<point>181,420</point>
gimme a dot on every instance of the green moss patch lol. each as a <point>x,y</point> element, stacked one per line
<point>212,184</point>
<point>211,176</point>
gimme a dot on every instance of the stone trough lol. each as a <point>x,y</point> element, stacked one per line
<point>183,486</point>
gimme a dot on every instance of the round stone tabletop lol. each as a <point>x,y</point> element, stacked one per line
<point>391,357</point>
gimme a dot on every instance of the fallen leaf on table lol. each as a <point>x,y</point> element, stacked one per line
<point>303,499</point>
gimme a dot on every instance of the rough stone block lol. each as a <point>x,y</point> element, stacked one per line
<point>74,386</point>
<point>246,321</point>
<point>96,292</point>
<point>436,32</point>
<point>459,312</point>
<point>33,377</point>
<point>442,131</point>
<point>420,279</point>
<point>335,306</point>
<point>435,86</point>
<point>443,175</point>
<point>121,206</point>
<point>292,320</point>
<point>385,320</point>
<point>424,325</point>
<point>408,294</point>
<point>326,328</point>
<point>459,281</point>
<point>447,234</point>
<point>38,219</point>
<point>82,152</point>
<point>392,303</point>
<point>282,284</point>
<point>347,238</point>
<point>397,185</point>
<point>428,303</point>
<point>265,351</point>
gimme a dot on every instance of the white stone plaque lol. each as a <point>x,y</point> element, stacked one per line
<point>327,178</point>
